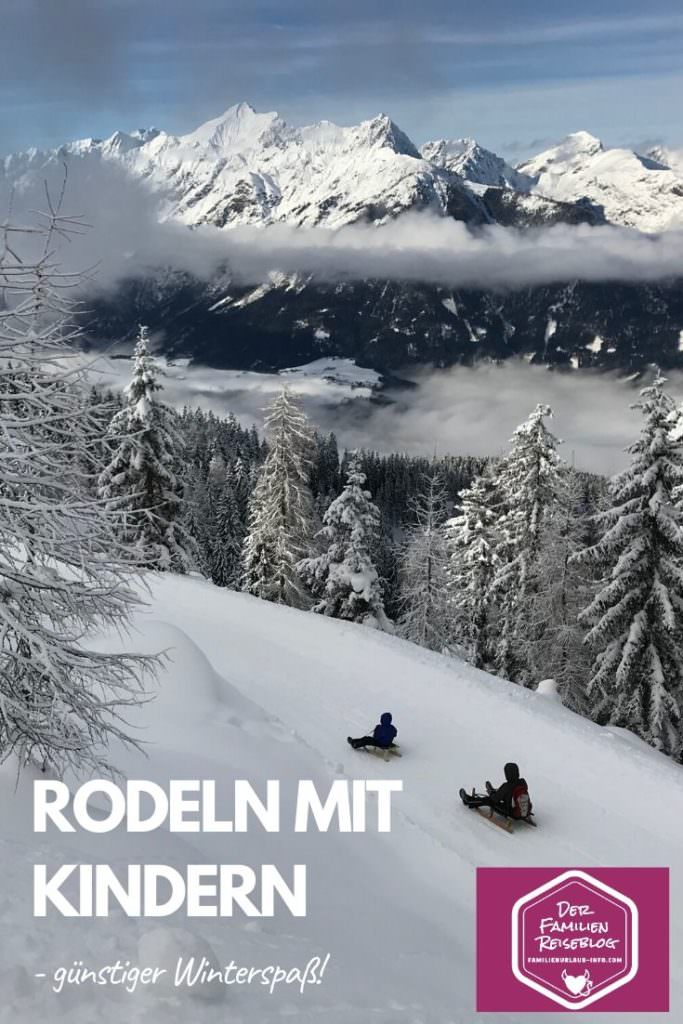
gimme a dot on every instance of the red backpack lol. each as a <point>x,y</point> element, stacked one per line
<point>521,802</point>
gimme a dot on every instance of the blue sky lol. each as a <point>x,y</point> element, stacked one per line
<point>514,75</point>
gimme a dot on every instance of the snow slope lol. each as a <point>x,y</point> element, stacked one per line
<point>633,190</point>
<point>254,691</point>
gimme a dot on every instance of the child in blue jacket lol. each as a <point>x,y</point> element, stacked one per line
<point>383,735</point>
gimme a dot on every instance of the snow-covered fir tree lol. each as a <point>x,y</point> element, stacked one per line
<point>63,572</point>
<point>528,483</point>
<point>281,508</point>
<point>425,614</point>
<point>195,515</point>
<point>141,483</point>
<point>636,618</point>
<point>471,543</point>
<point>227,538</point>
<point>344,578</point>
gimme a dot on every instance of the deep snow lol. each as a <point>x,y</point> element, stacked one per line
<point>255,691</point>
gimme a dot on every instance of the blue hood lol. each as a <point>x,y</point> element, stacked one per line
<point>386,718</point>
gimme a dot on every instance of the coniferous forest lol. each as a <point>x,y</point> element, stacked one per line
<point>522,565</point>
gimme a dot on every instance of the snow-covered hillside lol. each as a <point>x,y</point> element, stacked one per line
<point>633,190</point>
<point>254,691</point>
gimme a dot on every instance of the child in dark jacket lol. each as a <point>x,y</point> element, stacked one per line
<point>499,799</point>
<point>383,735</point>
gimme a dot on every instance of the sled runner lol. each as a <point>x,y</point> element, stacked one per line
<point>495,815</point>
<point>386,753</point>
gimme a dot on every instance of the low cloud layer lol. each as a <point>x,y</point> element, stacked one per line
<point>460,411</point>
<point>475,411</point>
<point>126,238</point>
<point>427,249</point>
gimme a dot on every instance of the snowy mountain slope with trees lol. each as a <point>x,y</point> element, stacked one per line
<point>252,690</point>
<point>520,580</point>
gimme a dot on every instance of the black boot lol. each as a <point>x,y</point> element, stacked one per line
<point>351,742</point>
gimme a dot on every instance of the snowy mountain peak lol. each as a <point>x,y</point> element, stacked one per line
<point>381,131</point>
<point>671,159</point>
<point>472,162</point>
<point>145,134</point>
<point>575,148</point>
<point>239,127</point>
<point>636,191</point>
<point>582,142</point>
<point>123,142</point>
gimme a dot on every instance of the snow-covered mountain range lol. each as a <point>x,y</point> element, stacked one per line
<point>249,168</point>
<point>245,167</point>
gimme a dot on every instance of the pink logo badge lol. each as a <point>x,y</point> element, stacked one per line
<point>573,937</point>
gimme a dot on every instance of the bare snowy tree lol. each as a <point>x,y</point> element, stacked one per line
<point>425,613</point>
<point>62,571</point>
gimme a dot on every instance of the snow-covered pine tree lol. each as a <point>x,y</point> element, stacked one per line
<point>425,613</point>
<point>471,543</point>
<point>141,483</point>
<point>385,558</point>
<point>227,538</point>
<point>281,508</point>
<point>636,618</point>
<point>344,578</point>
<point>528,484</point>
<point>63,573</point>
<point>196,516</point>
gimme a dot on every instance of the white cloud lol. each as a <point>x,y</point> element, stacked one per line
<point>460,411</point>
<point>563,31</point>
<point>474,412</point>
<point>126,238</point>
